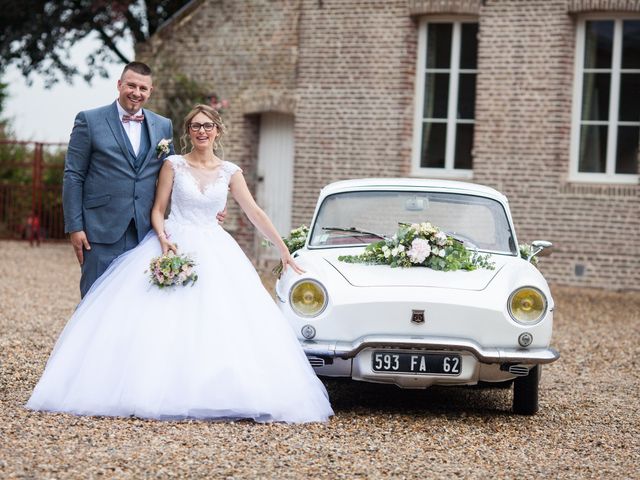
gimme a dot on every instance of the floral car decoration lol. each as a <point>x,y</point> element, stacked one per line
<point>295,241</point>
<point>421,245</point>
<point>479,313</point>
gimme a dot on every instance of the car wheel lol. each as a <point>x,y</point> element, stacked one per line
<point>525,392</point>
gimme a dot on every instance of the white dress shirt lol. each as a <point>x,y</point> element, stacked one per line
<point>133,129</point>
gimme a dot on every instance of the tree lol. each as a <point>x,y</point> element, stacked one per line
<point>3,97</point>
<point>36,35</point>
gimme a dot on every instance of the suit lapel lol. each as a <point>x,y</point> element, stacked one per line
<point>118,132</point>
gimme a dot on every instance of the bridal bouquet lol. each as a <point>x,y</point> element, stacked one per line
<point>172,269</point>
<point>421,245</point>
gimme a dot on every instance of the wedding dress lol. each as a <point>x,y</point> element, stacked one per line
<point>219,349</point>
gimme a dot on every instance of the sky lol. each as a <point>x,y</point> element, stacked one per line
<point>47,115</point>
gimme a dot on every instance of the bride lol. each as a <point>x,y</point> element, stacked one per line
<point>219,349</point>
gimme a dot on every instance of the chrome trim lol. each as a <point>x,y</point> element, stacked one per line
<point>316,362</point>
<point>518,370</point>
<point>483,354</point>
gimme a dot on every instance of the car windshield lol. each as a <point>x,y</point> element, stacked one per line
<point>360,218</point>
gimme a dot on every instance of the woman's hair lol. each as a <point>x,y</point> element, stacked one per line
<point>215,118</point>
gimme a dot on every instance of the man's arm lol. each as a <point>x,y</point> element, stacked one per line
<point>76,164</point>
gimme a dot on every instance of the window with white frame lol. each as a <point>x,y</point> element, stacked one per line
<point>606,101</point>
<point>445,98</point>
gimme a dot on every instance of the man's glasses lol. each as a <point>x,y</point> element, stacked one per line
<point>195,127</point>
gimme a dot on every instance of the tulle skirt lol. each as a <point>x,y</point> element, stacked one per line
<point>219,349</point>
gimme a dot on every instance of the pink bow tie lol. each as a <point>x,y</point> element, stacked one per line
<point>132,118</point>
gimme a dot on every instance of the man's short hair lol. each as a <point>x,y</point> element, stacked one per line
<point>138,67</point>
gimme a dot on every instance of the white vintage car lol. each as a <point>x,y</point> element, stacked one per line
<point>416,327</point>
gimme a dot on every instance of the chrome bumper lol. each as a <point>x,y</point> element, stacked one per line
<point>484,355</point>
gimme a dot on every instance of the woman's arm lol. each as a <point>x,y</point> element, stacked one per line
<point>243,196</point>
<point>163,195</point>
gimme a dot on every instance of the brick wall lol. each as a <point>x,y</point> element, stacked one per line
<point>523,122</point>
<point>355,88</point>
<point>245,51</point>
<point>346,70</point>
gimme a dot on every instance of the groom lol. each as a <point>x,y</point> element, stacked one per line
<point>110,174</point>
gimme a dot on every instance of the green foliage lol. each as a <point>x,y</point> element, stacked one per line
<point>421,245</point>
<point>36,35</point>
<point>53,165</point>
<point>17,172</point>
<point>16,163</point>
<point>181,97</point>
<point>525,250</point>
<point>17,177</point>
<point>297,238</point>
<point>295,241</point>
<point>3,96</point>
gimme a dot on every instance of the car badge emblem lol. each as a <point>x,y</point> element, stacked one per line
<point>417,316</point>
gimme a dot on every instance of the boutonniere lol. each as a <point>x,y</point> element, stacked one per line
<point>163,147</point>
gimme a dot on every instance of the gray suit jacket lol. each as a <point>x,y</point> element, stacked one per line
<point>102,188</point>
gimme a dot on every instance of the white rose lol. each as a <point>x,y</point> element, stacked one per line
<point>441,238</point>
<point>419,251</point>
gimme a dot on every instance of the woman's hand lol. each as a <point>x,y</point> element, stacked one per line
<point>287,260</point>
<point>220,216</point>
<point>166,244</point>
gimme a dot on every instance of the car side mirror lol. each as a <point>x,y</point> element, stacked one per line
<point>540,248</point>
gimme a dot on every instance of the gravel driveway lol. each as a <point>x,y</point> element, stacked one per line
<point>587,426</point>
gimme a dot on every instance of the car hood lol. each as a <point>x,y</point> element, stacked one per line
<point>361,275</point>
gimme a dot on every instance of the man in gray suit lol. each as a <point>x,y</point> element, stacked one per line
<point>110,174</point>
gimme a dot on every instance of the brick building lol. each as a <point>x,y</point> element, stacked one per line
<point>539,99</point>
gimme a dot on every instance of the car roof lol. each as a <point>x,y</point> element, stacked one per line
<point>451,186</point>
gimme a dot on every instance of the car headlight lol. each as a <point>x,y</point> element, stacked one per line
<point>527,305</point>
<point>308,298</point>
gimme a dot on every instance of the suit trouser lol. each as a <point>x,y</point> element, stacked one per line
<point>98,259</point>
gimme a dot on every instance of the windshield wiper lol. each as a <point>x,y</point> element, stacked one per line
<point>461,239</point>
<point>354,230</point>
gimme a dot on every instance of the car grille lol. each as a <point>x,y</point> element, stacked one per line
<point>316,361</point>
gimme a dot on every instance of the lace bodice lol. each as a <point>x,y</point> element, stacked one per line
<point>198,195</point>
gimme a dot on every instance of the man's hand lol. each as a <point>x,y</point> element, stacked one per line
<point>221,215</point>
<point>78,241</point>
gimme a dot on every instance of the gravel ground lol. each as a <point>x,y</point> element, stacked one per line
<point>587,426</point>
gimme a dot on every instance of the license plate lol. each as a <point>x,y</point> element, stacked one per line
<point>417,363</point>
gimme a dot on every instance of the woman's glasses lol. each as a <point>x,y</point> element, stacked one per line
<point>195,127</point>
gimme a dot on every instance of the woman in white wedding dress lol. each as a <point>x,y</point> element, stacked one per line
<point>219,349</point>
